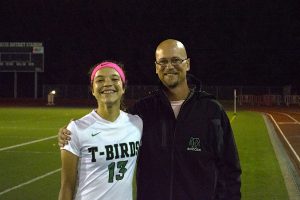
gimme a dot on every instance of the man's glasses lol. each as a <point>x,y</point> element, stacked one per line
<point>174,61</point>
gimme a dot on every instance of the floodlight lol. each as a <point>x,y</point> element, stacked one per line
<point>51,98</point>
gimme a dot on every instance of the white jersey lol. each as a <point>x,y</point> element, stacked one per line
<point>107,154</point>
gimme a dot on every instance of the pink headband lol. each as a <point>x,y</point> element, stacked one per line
<point>109,65</point>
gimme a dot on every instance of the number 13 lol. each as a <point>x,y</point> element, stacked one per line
<point>121,165</point>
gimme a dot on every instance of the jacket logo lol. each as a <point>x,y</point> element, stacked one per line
<point>194,144</point>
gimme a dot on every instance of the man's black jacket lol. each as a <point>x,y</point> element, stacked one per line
<point>193,157</point>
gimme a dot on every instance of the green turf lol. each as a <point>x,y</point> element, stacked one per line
<point>22,164</point>
<point>261,177</point>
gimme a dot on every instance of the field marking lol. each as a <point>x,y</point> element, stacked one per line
<point>33,152</point>
<point>27,143</point>
<point>30,181</point>
<point>288,123</point>
<point>27,128</point>
<point>17,137</point>
<point>232,119</point>
<point>289,117</point>
<point>285,139</point>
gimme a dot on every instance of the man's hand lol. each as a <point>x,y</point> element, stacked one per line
<point>63,136</point>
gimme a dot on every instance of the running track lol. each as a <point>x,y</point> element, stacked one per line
<point>286,121</point>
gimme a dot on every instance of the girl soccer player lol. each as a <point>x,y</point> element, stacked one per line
<point>99,161</point>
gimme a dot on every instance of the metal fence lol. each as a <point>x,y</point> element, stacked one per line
<point>268,100</point>
<point>138,91</point>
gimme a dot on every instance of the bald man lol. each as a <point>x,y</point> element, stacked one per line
<point>188,150</point>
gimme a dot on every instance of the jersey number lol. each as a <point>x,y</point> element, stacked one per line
<point>121,165</point>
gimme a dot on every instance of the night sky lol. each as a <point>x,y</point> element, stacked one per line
<point>231,42</point>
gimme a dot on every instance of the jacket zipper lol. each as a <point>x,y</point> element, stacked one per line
<point>172,170</point>
<point>173,148</point>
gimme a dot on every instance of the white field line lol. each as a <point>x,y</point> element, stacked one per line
<point>27,128</point>
<point>288,123</point>
<point>289,117</point>
<point>30,181</point>
<point>27,143</point>
<point>232,119</point>
<point>285,139</point>
<point>17,137</point>
<point>32,152</point>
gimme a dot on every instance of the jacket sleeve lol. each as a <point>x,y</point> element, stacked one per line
<point>229,176</point>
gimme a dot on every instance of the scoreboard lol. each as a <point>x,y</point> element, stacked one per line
<point>21,57</point>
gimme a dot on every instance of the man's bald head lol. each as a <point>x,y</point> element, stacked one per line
<point>169,48</point>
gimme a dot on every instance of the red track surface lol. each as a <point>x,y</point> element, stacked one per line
<point>287,124</point>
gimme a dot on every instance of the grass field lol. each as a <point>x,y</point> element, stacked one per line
<point>31,171</point>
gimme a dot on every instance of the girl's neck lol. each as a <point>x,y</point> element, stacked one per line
<point>110,113</point>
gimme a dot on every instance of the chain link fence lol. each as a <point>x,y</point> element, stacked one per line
<point>139,91</point>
